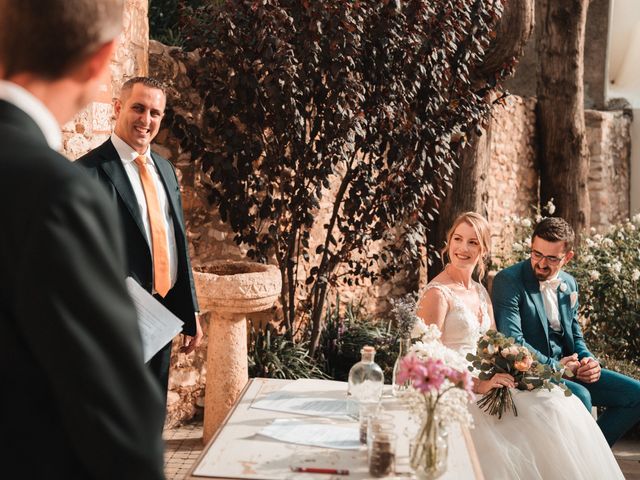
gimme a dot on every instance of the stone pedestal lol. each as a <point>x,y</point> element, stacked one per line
<point>230,290</point>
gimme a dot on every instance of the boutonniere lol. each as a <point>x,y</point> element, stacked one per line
<point>573,297</point>
<point>563,287</point>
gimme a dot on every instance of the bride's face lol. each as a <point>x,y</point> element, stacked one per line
<point>464,247</point>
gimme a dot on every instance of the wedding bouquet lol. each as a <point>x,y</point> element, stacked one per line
<point>499,354</point>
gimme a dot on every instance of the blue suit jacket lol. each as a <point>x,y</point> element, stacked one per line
<point>519,312</point>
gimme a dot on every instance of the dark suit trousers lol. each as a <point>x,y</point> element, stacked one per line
<point>621,397</point>
<point>159,366</point>
<point>160,362</point>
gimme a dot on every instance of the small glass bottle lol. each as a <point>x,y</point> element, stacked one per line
<point>403,350</point>
<point>365,382</point>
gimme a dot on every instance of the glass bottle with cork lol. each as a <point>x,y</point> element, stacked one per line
<point>365,382</point>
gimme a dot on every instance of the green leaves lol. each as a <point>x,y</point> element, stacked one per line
<point>337,117</point>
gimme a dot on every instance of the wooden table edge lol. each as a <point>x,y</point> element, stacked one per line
<point>473,455</point>
<point>190,475</point>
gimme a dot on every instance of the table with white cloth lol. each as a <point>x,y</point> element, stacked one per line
<point>238,450</point>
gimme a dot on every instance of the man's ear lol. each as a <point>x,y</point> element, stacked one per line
<point>117,107</point>
<point>568,256</point>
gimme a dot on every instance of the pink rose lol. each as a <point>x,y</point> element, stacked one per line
<point>524,364</point>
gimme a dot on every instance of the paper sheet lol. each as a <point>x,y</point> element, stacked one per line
<point>295,399</point>
<point>303,432</point>
<point>157,324</point>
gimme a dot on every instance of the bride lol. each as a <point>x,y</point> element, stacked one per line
<point>553,436</point>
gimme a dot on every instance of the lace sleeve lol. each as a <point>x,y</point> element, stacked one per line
<point>446,293</point>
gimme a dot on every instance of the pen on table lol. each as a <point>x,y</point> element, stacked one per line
<point>334,471</point>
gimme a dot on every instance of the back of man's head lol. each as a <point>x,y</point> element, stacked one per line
<point>47,38</point>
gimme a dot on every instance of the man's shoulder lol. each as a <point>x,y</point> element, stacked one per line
<point>568,278</point>
<point>102,153</point>
<point>160,159</point>
<point>514,272</point>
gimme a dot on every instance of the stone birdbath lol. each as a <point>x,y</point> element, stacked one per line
<point>230,290</point>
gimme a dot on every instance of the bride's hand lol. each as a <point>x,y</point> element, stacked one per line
<point>499,380</point>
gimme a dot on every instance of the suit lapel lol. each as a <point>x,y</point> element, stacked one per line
<point>171,189</point>
<point>564,305</point>
<point>533,289</point>
<point>112,166</point>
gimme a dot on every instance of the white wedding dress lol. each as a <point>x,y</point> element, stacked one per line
<point>553,437</point>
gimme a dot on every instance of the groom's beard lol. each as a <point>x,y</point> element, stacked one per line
<point>542,273</point>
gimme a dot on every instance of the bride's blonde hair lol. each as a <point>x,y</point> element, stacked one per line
<point>482,231</point>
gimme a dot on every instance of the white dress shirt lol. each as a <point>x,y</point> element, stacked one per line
<point>127,156</point>
<point>549,292</point>
<point>37,110</point>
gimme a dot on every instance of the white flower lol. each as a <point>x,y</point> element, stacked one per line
<point>607,242</point>
<point>594,275</point>
<point>616,267</point>
<point>636,219</point>
<point>592,230</point>
<point>517,247</point>
<point>419,329</point>
<point>588,258</point>
<point>635,275</point>
<point>620,235</point>
<point>550,207</point>
<point>526,222</point>
<point>597,238</point>
<point>527,242</point>
<point>589,243</point>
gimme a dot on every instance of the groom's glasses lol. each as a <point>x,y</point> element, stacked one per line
<point>551,260</point>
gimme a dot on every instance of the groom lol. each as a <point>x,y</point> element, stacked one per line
<point>536,303</point>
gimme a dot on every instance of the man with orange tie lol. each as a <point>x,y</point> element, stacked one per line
<point>145,191</point>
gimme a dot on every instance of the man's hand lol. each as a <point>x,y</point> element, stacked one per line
<point>189,344</point>
<point>589,370</point>
<point>571,363</point>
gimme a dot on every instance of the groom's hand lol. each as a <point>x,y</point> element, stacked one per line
<point>571,363</point>
<point>589,370</point>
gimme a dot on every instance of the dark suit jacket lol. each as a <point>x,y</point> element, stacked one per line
<point>77,401</point>
<point>104,164</point>
<point>519,312</point>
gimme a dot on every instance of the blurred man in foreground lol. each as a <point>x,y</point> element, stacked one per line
<point>77,400</point>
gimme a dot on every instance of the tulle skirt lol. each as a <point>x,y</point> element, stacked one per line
<point>553,438</point>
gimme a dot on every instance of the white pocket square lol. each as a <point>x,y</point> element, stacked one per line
<point>573,297</point>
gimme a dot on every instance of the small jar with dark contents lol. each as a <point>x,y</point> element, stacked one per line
<point>382,457</point>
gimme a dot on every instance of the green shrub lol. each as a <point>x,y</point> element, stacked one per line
<point>344,336</point>
<point>272,355</point>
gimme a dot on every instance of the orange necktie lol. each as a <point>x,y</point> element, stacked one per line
<point>161,275</point>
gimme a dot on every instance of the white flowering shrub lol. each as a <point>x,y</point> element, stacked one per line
<point>607,268</point>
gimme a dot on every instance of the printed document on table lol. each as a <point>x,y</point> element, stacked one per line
<point>298,397</point>
<point>301,432</point>
<point>157,325</point>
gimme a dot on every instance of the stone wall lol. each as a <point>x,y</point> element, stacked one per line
<point>609,139</point>
<point>512,186</point>
<point>91,126</point>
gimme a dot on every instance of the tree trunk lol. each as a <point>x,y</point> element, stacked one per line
<point>564,154</point>
<point>468,192</point>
